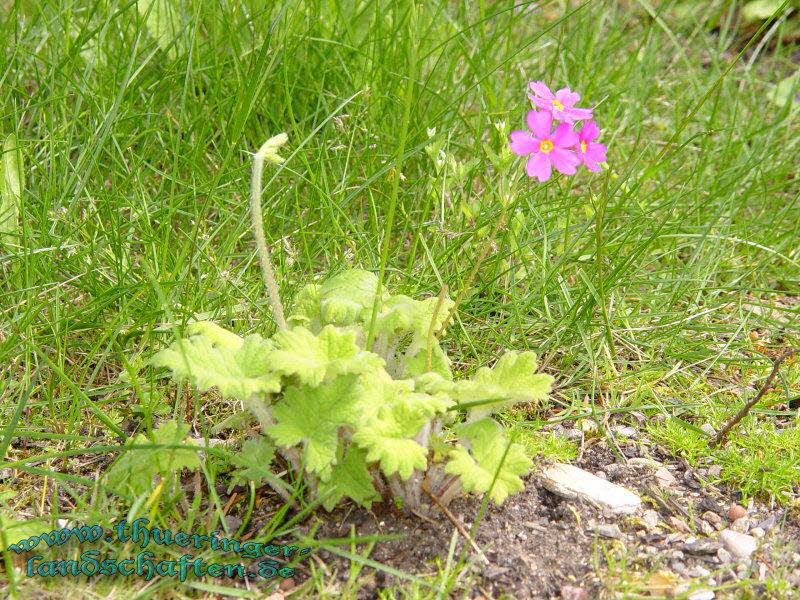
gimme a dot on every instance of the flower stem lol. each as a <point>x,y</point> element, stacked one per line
<point>258,230</point>
<point>507,193</point>
<point>471,276</point>
<point>432,328</point>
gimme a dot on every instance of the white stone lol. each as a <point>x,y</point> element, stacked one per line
<point>664,477</point>
<point>610,531</point>
<point>741,525</point>
<point>699,571</point>
<point>701,595</point>
<point>624,431</point>
<point>650,519</point>
<point>740,545</point>
<point>571,482</point>
<point>638,461</point>
<point>708,428</point>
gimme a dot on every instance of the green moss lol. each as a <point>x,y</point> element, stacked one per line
<point>540,444</point>
<point>757,459</point>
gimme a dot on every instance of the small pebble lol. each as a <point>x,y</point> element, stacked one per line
<point>708,428</point>
<point>679,524</point>
<point>701,595</point>
<point>724,556</point>
<point>714,471</point>
<point>699,571</point>
<point>572,592</point>
<point>679,568</point>
<point>738,544</point>
<point>706,527</point>
<point>741,525</point>
<point>701,547</point>
<point>664,477</point>
<point>711,517</point>
<point>625,431</point>
<point>736,512</point>
<point>757,532</point>
<point>650,519</point>
<point>769,522</point>
<point>610,531</point>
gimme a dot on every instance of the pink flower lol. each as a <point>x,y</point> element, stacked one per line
<point>547,149</point>
<point>590,153</point>
<point>561,105</point>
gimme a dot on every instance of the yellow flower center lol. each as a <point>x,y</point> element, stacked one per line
<point>583,147</point>
<point>545,146</point>
<point>557,105</point>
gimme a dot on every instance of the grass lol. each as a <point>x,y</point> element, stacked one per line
<point>654,287</point>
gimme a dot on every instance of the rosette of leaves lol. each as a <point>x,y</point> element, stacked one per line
<point>368,424</point>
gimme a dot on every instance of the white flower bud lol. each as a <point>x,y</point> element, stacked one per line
<point>269,150</point>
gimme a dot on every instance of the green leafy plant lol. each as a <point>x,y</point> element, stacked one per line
<point>367,423</point>
<point>133,473</point>
<point>356,419</point>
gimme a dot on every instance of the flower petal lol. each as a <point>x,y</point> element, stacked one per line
<point>564,136</point>
<point>538,166</point>
<point>577,114</point>
<point>596,152</point>
<point>591,165</point>
<point>590,132</point>
<point>540,89</point>
<point>541,103</point>
<point>565,161</point>
<point>522,143</point>
<point>539,122</point>
<point>567,97</point>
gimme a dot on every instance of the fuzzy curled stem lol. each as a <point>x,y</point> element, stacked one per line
<point>258,230</point>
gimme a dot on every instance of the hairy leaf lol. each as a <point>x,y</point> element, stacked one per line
<point>344,299</point>
<point>404,315</point>
<point>314,358</point>
<point>512,380</point>
<point>313,416</point>
<point>213,357</point>
<point>485,462</point>
<point>387,432</point>
<point>14,531</point>
<point>254,460</point>
<point>417,362</point>
<point>132,474</point>
<point>349,478</point>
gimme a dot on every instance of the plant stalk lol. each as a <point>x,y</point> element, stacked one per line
<point>258,230</point>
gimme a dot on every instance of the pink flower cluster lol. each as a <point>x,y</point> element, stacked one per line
<point>563,148</point>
